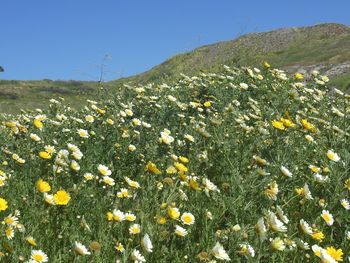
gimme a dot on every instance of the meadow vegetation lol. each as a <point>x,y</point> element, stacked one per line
<point>242,165</point>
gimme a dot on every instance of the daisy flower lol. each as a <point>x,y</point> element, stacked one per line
<point>135,229</point>
<point>81,249</point>
<point>187,219</point>
<point>39,256</point>
<point>333,156</point>
<point>147,243</point>
<point>137,257</point>
<point>180,231</point>
<point>219,252</point>
<point>104,170</point>
<point>327,217</point>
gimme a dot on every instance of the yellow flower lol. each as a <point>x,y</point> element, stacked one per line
<point>42,186</point>
<point>318,235</point>
<point>347,184</point>
<point>259,160</point>
<point>45,155</point>
<point>173,213</point>
<point>267,65</point>
<point>278,125</point>
<point>308,126</point>
<point>194,185</point>
<point>119,247</point>
<point>161,220</point>
<point>38,124</point>
<point>336,254</point>
<point>31,241</point>
<point>3,204</point>
<point>152,167</point>
<point>287,123</point>
<point>109,216</point>
<point>171,170</point>
<point>298,76</point>
<point>110,121</point>
<point>180,167</point>
<point>61,197</point>
<point>207,104</point>
<point>183,159</point>
<point>271,191</point>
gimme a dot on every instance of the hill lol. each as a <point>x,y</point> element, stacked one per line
<point>325,47</point>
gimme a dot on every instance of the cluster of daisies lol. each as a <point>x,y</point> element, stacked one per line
<point>249,163</point>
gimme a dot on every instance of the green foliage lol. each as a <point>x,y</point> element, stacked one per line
<point>214,145</point>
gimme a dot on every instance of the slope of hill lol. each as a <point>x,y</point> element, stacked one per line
<point>324,46</point>
<point>16,95</point>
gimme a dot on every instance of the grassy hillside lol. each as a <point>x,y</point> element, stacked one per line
<point>322,45</point>
<point>236,166</point>
<point>16,95</point>
<point>325,47</point>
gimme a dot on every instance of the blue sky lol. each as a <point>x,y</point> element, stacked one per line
<point>69,39</point>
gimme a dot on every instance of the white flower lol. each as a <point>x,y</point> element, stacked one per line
<point>118,215</point>
<point>327,217</point>
<point>345,204</point>
<point>171,98</point>
<point>187,219</point>
<point>39,256</point>
<point>333,156</point>
<point>129,112</point>
<point>35,137</point>
<point>137,257</point>
<point>277,244</point>
<point>104,170</point>
<point>320,178</point>
<point>136,122</point>
<point>285,171</point>
<point>307,192</point>
<point>131,147</point>
<point>75,166</point>
<point>81,249</point>
<point>243,86</point>
<point>189,137</point>
<point>147,243</point>
<point>89,118</point>
<point>281,215</point>
<point>261,228</point>
<point>219,252</point>
<point>108,180</point>
<point>135,229</point>
<point>274,223</point>
<point>305,227</point>
<point>83,133</point>
<point>180,231</point>
<point>166,138</point>
<point>303,245</point>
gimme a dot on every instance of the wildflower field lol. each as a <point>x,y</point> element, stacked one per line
<point>245,165</point>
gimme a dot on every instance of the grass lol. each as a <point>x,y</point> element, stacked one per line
<point>17,95</point>
<point>233,149</point>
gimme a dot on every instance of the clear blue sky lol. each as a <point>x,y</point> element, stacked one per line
<point>68,39</point>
